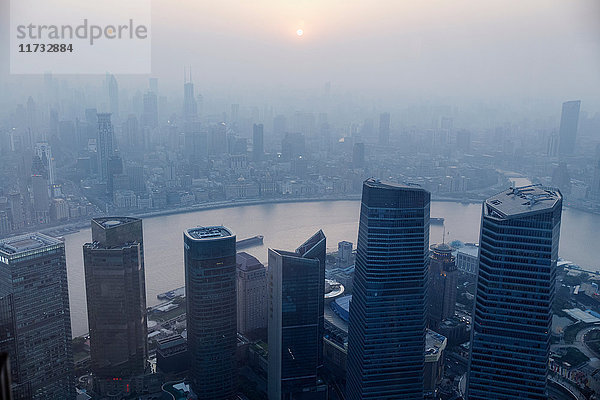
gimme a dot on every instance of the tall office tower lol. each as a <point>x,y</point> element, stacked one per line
<point>386,332</point>
<point>251,295</point>
<point>104,145</point>
<point>258,145</point>
<point>190,106</point>
<point>443,276</point>
<point>150,110</point>
<point>41,200</point>
<point>384,129</point>
<point>569,119</point>
<point>44,152</point>
<point>217,139</point>
<point>358,155</point>
<point>116,299</point>
<point>279,126</point>
<point>210,280</point>
<point>296,293</point>
<point>34,317</point>
<point>510,340</point>
<point>344,255</point>
<point>113,95</point>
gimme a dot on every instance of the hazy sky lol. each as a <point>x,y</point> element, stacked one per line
<point>392,48</point>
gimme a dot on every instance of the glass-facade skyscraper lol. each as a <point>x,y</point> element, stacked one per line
<point>296,297</point>
<point>386,333</point>
<point>510,340</point>
<point>210,281</point>
<point>116,301</point>
<point>35,322</point>
<point>569,120</point>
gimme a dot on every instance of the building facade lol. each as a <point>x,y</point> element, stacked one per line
<point>296,286</point>
<point>35,322</point>
<point>251,283</point>
<point>386,333</point>
<point>116,300</point>
<point>210,281</point>
<point>569,121</point>
<point>510,340</point>
<point>104,145</point>
<point>467,259</point>
<point>443,277</point>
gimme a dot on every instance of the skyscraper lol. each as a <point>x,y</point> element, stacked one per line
<point>113,94</point>
<point>210,280</point>
<point>35,322</point>
<point>258,146</point>
<point>442,284</point>
<point>569,119</point>
<point>116,299</point>
<point>104,145</point>
<point>251,295</point>
<point>358,155</point>
<point>386,333</point>
<point>510,340</point>
<point>296,294</point>
<point>384,129</point>
<point>190,106</point>
<point>150,111</point>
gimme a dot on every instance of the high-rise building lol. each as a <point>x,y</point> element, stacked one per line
<point>293,145</point>
<point>295,337</point>
<point>34,317</point>
<point>279,126</point>
<point>190,106</point>
<point>116,299</point>
<point>251,295</point>
<point>113,94</point>
<point>44,152</point>
<point>384,129</point>
<point>386,333</point>
<point>442,284</point>
<point>150,110</point>
<point>510,340</point>
<point>104,145</point>
<point>595,188</point>
<point>258,145</point>
<point>358,155</point>
<point>210,281</point>
<point>344,255</point>
<point>569,119</point>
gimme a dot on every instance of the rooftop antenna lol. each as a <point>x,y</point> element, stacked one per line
<point>190,74</point>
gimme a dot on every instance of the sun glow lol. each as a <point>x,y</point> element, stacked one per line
<point>299,32</point>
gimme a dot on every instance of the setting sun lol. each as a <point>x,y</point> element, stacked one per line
<point>299,32</point>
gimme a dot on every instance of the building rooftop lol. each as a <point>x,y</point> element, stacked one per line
<point>208,232</point>
<point>247,262</point>
<point>522,200</point>
<point>23,243</point>
<point>434,345</point>
<point>111,222</point>
<point>469,249</point>
<point>377,183</point>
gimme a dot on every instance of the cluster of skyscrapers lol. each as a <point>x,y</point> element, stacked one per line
<point>400,288</point>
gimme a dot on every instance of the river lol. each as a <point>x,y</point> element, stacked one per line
<point>287,225</point>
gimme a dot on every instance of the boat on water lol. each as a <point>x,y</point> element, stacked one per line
<point>436,221</point>
<point>249,242</point>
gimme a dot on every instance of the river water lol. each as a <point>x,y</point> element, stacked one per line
<point>287,225</point>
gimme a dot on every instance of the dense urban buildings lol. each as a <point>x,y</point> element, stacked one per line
<point>510,343</point>
<point>443,277</point>
<point>210,280</point>
<point>258,143</point>
<point>116,302</point>
<point>295,337</point>
<point>384,129</point>
<point>386,334</point>
<point>34,317</point>
<point>251,295</point>
<point>569,120</point>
